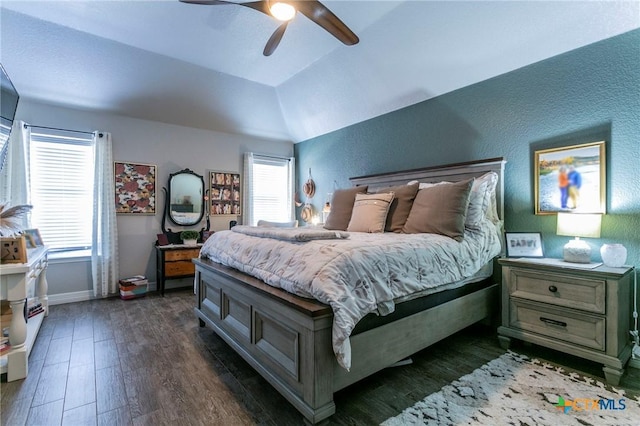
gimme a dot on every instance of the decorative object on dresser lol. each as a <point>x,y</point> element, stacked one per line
<point>571,179</point>
<point>578,225</point>
<point>33,237</point>
<point>290,339</point>
<point>174,262</point>
<point>524,244</point>
<point>613,255</point>
<point>581,311</point>
<point>24,284</point>
<point>11,218</point>
<point>189,237</point>
<point>13,249</point>
<point>135,186</point>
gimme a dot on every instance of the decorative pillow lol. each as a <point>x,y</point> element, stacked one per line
<point>341,207</point>
<point>370,212</point>
<point>481,200</point>
<point>440,209</point>
<point>400,206</point>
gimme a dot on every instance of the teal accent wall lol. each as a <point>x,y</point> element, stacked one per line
<point>586,95</point>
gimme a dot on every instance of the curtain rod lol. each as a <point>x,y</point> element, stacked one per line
<point>272,156</point>
<point>56,128</point>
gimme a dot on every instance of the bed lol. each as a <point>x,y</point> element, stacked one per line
<point>291,340</point>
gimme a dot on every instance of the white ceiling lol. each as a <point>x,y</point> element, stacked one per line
<point>202,66</point>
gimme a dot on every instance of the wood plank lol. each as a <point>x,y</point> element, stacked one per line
<point>110,390</point>
<point>84,415</point>
<point>81,387</point>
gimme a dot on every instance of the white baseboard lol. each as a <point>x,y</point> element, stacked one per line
<point>82,296</point>
<point>76,296</point>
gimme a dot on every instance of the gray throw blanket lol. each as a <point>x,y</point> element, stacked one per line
<point>291,234</point>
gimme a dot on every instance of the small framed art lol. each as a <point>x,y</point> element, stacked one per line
<point>33,238</point>
<point>571,179</point>
<point>524,244</point>
<point>135,186</point>
<point>224,193</point>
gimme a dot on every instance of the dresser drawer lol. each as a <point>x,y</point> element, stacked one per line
<point>559,290</point>
<point>189,254</point>
<point>573,327</point>
<point>176,269</point>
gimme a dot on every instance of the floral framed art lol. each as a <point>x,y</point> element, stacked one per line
<point>135,188</point>
<point>224,193</point>
<point>570,179</point>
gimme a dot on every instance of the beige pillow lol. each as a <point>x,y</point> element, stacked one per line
<point>440,209</point>
<point>400,206</point>
<point>370,212</point>
<point>341,207</point>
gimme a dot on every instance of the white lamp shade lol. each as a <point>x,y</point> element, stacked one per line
<point>579,225</point>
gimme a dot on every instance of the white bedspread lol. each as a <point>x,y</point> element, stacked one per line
<point>355,276</point>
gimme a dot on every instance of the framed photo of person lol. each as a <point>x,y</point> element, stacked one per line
<point>33,238</point>
<point>225,196</point>
<point>571,179</point>
<point>524,244</point>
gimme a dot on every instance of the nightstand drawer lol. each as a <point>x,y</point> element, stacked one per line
<point>580,329</point>
<point>175,269</point>
<point>189,254</point>
<point>559,290</point>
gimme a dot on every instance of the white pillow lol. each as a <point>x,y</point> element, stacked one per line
<point>266,223</point>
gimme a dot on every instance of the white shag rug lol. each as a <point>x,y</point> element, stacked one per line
<point>516,390</point>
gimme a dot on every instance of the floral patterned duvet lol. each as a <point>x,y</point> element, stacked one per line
<point>355,276</point>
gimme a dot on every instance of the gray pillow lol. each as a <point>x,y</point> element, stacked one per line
<point>440,209</point>
<point>400,206</point>
<point>341,207</point>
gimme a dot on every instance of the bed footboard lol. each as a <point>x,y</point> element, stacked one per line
<point>287,339</point>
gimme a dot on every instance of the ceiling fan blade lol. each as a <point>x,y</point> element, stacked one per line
<point>322,16</point>
<point>274,40</point>
<point>207,2</point>
<point>260,6</point>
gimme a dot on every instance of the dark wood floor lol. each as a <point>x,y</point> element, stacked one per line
<point>146,361</point>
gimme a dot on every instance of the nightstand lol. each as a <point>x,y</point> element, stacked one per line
<point>174,261</point>
<point>582,312</point>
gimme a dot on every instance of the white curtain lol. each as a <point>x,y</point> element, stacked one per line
<point>104,247</point>
<point>14,187</point>
<point>247,189</point>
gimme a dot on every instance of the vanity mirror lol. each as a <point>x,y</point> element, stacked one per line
<point>184,200</point>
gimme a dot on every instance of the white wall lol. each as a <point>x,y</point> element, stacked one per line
<point>171,148</point>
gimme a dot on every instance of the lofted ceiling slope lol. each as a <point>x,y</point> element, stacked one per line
<point>202,66</point>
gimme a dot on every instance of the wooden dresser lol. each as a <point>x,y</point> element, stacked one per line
<point>174,261</point>
<point>22,281</point>
<point>583,312</point>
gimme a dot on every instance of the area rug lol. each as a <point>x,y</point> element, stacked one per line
<point>516,390</point>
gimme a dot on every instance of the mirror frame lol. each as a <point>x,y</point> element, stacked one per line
<point>169,197</point>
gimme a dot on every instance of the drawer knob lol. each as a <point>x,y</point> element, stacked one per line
<point>553,288</point>
<point>553,322</point>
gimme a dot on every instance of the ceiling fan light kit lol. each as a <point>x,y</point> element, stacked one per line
<point>285,11</point>
<point>282,11</point>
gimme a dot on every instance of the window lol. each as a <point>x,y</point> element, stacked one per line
<point>62,188</point>
<point>271,188</point>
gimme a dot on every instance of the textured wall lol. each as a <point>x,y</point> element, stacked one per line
<point>585,95</point>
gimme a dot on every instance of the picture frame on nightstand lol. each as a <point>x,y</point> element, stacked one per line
<point>524,244</point>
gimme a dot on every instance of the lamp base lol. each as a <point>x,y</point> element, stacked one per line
<point>577,251</point>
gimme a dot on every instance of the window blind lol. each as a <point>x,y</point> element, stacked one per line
<point>272,189</point>
<point>62,188</point>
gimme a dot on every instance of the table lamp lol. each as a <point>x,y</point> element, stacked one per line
<point>578,225</point>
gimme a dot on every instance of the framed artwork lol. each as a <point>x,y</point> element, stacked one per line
<point>524,244</point>
<point>571,179</point>
<point>135,186</point>
<point>33,238</point>
<point>224,193</point>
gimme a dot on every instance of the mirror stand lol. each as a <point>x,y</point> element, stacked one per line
<point>184,204</point>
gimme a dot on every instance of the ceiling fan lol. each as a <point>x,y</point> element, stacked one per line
<point>286,10</point>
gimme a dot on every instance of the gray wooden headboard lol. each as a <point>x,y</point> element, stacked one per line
<point>451,172</point>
